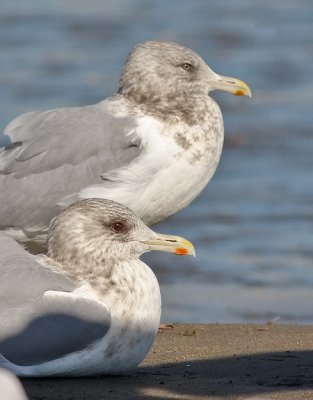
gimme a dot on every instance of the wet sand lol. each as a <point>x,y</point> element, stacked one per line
<point>255,362</point>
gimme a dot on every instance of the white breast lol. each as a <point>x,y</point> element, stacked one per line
<point>165,178</point>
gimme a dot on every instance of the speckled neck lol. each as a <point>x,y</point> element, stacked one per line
<point>83,269</point>
<point>190,109</point>
<point>121,279</point>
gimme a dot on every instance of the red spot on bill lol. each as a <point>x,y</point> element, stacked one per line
<point>239,93</point>
<point>181,251</point>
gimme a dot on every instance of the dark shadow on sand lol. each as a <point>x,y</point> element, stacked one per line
<point>251,374</point>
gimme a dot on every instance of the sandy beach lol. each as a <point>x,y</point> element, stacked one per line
<point>255,362</point>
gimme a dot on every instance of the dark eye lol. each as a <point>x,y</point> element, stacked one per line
<point>186,66</point>
<point>118,226</point>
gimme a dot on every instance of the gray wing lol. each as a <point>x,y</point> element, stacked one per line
<point>59,152</point>
<point>44,140</point>
<point>36,325</point>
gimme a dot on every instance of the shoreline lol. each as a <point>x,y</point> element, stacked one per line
<point>205,361</point>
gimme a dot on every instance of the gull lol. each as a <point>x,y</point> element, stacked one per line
<point>89,306</point>
<point>152,146</point>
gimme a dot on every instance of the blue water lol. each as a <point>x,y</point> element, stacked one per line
<point>253,224</point>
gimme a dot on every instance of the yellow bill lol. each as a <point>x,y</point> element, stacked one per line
<point>171,244</point>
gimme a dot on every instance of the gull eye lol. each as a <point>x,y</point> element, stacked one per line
<point>118,226</point>
<point>186,66</point>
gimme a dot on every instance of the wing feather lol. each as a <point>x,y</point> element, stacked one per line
<point>58,153</point>
<point>40,317</point>
<point>50,139</point>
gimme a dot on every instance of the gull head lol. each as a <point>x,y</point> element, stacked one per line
<point>157,70</point>
<point>100,230</point>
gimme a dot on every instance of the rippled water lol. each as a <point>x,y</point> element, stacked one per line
<point>253,225</point>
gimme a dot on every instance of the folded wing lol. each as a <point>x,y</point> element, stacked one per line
<point>57,153</point>
<point>41,318</point>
